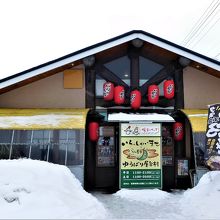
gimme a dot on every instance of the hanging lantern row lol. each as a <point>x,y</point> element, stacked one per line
<point>117,93</point>
<point>178,131</point>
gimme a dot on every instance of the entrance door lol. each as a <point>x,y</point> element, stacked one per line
<point>106,167</point>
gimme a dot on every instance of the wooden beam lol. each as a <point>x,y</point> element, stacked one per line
<point>156,54</point>
<point>134,64</point>
<point>108,75</point>
<point>179,89</point>
<point>162,102</point>
<point>112,56</point>
<point>101,102</point>
<point>90,77</point>
<point>158,78</point>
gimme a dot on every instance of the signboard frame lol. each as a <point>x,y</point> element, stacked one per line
<point>160,156</point>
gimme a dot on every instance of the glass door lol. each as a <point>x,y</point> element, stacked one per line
<point>105,153</point>
<point>106,171</point>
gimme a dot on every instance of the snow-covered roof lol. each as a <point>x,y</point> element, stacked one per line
<point>136,34</point>
<point>32,119</point>
<point>150,117</point>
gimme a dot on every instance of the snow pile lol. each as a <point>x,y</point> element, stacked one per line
<point>202,201</point>
<point>140,117</point>
<point>31,189</point>
<point>152,196</point>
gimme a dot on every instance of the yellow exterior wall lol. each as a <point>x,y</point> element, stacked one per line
<point>200,89</point>
<point>45,93</point>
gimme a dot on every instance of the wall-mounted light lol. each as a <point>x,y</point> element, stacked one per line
<point>89,61</point>
<point>137,43</point>
<point>183,61</point>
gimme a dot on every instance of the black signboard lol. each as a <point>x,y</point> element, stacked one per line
<point>212,155</point>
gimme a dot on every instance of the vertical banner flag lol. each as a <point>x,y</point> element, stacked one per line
<point>140,156</point>
<point>212,156</point>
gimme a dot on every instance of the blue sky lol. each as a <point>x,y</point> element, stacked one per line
<point>37,31</point>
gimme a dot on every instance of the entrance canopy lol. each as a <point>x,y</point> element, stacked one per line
<point>42,119</point>
<point>197,119</point>
<point>153,117</point>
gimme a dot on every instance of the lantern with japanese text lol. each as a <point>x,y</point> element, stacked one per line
<point>168,88</point>
<point>135,99</point>
<point>93,131</point>
<point>119,95</point>
<point>108,91</point>
<point>153,94</point>
<point>178,131</point>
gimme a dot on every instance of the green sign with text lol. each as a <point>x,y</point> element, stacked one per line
<point>140,156</point>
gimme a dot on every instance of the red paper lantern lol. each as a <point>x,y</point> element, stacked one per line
<point>135,99</point>
<point>168,88</point>
<point>108,91</point>
<point>119,95</point>
<point>93,131</point>
<point>178,131</point>
<point>153,94</point>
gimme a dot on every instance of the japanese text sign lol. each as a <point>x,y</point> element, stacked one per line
<point>140,156</point>
<point>212,155</point>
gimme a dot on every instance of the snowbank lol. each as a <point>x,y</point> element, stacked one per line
<point>151,196</point>
<point>31,189</point>
<point>202,201</point>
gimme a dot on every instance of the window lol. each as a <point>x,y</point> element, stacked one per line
<point>64,147</point>
<point>5,143</point>
<point>121,68</point>
<point>99,85</point>
<point>148,69</point>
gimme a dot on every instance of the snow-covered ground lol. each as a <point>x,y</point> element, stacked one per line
<point>31,189</point>
<point>201,202</point>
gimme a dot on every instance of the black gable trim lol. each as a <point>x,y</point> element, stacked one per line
<point>108,41</point>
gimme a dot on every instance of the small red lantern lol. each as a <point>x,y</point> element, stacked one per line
<point>178,131</point>
<point>93,131</point>
<point>119,95</point>
<point>108,91</point>
<point>153,94</point>
<point>168,88</point>
<point>135,99</point>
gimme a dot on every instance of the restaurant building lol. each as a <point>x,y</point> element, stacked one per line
<point>129,112</point>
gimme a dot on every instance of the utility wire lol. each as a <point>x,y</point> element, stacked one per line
<point>195,25</point>
<point>205,33</point>
<point>202,22</point>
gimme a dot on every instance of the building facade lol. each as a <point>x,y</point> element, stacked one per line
<point>46,111</point>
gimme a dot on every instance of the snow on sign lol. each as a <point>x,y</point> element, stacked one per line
<point>140,156</point>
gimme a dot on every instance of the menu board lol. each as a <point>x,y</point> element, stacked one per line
<point>105,152</point>
<point>167,145</point>
<point>182,167</point>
